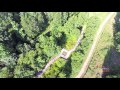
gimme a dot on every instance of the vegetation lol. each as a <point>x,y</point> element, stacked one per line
<point>74,63</point>
<point>28,40</point>
<point>107,52</point>
<point>115,69</point>
<point>103,47</point>
<point>113,76</point>
<point>115,57</point>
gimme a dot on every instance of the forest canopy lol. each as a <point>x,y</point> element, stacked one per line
<point>28,40</point>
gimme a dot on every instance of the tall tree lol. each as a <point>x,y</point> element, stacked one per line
<point>32,23</point>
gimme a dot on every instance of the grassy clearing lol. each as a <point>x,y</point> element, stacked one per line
<point>104,44</point>
<point>101,15</point>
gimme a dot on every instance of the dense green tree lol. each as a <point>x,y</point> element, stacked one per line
<point>118,48</point>
<point>54,69</point>
<point>8,60</point>
<point>117,37</point>
<point>26,65</point>
<point>28,40</point>
<point>32,23</point>
<point>4,72</point>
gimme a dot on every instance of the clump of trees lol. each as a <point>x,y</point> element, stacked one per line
<point>117,40</point>
<point>117,45</point>
<point>28,40</point>
<point>117,32</point>
<point>72,66</point>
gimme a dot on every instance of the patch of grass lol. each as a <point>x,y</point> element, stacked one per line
<point>104,44</point>
<point>54,69</point>
<point>101,15</point>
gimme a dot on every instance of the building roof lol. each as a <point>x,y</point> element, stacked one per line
<point>65,53</point>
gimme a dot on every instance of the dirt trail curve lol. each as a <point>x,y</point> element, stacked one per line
<point>50,62</point>
<point>79,40</point>
<point>87,61</point>
<point>58,56</point>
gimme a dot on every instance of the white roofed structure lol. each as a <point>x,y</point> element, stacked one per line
<point>65,53</point>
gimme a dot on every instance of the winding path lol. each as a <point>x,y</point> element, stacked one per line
<point>58,56</point>
<point>87,61</point>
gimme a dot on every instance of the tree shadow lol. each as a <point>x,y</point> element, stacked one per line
<point>60,41</point>
<point>67,69</point>
<point>111,65</point>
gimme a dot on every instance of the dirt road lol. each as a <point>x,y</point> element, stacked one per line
<point>87,61</point>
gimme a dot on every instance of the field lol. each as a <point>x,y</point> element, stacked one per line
<point>101,53</point>
<point>102,15</point>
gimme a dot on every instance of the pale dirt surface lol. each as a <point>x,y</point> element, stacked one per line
<point>102,51</point>
<point>87,61</point>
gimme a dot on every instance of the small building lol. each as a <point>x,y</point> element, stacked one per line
<point>65,53</point>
